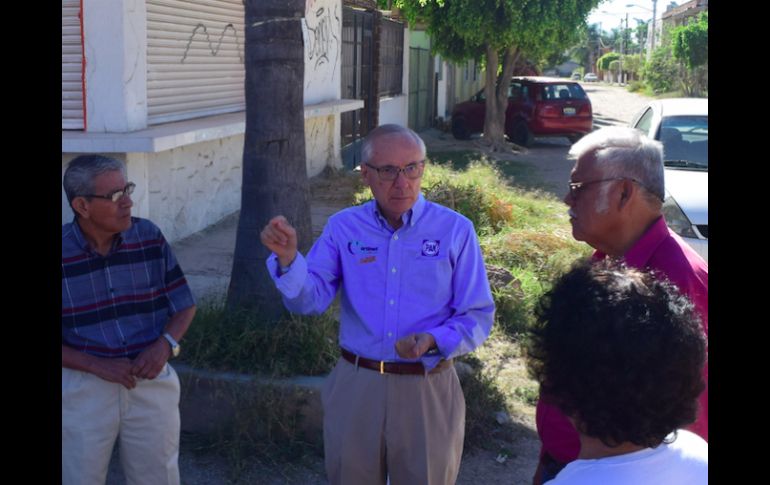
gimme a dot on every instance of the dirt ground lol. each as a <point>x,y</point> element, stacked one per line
<point>207,260</point>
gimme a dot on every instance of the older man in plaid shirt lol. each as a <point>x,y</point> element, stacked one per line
<point>125,306</point>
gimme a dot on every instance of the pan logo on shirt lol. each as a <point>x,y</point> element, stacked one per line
<point>430,247</point>
<point>357,248</point>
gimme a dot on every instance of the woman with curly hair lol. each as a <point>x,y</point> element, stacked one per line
<point>620,352</point>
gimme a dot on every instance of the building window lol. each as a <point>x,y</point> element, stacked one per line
<point>391,57</point>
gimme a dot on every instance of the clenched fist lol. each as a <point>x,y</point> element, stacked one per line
<point>279,237</point>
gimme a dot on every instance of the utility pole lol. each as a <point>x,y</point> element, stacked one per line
<point>622,76</point>
<point>622,38</point>
<point>652,44</point>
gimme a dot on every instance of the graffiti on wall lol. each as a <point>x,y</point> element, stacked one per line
<point>214,49</point>
<point>322,26</point>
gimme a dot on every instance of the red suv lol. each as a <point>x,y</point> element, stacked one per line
<point>537,106</point>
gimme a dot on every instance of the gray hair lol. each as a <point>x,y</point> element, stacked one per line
<point>625,152</point>
<point>367,148</point>
<point>81,172</point>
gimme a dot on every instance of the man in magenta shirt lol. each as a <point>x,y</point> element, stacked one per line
<point>615,199</point>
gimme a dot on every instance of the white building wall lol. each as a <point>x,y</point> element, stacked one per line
<point>194,186</point>
<point>322,34</point>
<point>115,50</point>
<point>320,149</point>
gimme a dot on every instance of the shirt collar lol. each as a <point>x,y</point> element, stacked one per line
<point>409,218</point>
<point>82,242</point>
<point>643,249</point>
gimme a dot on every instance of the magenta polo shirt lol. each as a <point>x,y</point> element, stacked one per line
<point>661,249</point>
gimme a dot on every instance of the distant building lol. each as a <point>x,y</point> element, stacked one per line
<point>675,16</point>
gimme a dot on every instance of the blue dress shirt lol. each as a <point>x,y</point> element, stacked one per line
<point>427,276</point>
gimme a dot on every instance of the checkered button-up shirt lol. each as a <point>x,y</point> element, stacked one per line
<point>116,305</point>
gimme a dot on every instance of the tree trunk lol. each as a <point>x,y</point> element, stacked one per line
<point>496,92</point>
<point>274,168</point>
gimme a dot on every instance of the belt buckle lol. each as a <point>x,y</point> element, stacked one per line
<point>382,367</point>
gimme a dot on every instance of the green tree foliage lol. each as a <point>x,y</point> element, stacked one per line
<point>690,43</point>
<point>633,65</point>
<point>502,32</point>
<point>661,73</point>
<point>689,46</point>
<point>603,63</point>
<point>641,33</point>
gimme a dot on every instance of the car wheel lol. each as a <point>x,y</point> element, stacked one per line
<point>521,134</point>
<point>460,129</point>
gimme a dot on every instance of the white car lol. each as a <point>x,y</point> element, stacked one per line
<point>682,125</point>
<point>590,78</point>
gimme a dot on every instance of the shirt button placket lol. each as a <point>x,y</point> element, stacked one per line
<point>392,288</point>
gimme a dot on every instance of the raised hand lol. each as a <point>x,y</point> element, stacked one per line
<point>281,238</point>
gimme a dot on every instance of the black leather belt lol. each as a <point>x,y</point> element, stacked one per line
<point>415,368</point>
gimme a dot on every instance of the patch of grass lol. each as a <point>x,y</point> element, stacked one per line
<point>483,400</point>
<point>505,369</point>
<point>528,395</point>
<point>267,426</point>
<point>456,160</point>
<point>243,342</point>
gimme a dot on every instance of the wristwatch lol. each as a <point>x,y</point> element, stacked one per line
<point>175,348</point>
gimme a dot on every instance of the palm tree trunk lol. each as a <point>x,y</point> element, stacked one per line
<point>274,168</point>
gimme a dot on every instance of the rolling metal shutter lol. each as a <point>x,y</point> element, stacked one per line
<point>71,67</point>
<point>195,52</point>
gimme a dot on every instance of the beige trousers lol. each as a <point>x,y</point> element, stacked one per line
<point>408,428</point>
<point>96,412</point>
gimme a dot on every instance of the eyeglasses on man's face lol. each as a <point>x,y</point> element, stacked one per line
<point>116,195</point>
<point>575,187</point>
<point>390,173</point>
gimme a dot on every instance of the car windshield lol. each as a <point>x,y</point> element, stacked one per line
<point>563,91</point>
<point>685,142</point>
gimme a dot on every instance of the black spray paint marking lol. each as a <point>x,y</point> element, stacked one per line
<point>214,51</point>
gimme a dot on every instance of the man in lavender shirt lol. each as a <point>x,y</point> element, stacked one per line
<point>615,205</point>
<point>414,295</point>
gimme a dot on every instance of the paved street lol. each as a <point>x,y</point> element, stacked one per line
<point>612,106</point>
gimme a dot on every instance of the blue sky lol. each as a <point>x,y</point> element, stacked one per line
<point>609,12</point>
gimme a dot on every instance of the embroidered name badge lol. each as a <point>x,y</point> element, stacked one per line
<point>430,247</point>
<point>359,248</point>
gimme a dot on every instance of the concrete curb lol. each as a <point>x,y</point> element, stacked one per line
<point>214,401</point>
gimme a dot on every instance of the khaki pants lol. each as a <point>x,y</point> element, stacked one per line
<point>96,412</point>
<point>409,428</point>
